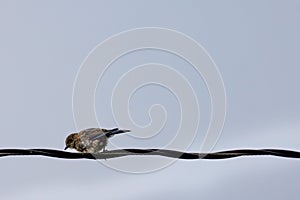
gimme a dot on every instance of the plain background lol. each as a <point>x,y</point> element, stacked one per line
<point>255,45</point>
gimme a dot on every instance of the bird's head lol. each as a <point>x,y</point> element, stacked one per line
<point>70,141</point>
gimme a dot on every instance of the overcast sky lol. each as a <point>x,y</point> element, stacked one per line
<point>255,45</point>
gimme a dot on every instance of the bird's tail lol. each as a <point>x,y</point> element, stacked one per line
<point>115,131</point>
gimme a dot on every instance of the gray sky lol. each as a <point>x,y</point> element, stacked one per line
<point>255,45</point>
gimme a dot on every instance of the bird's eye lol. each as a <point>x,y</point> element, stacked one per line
<point>69,140</point>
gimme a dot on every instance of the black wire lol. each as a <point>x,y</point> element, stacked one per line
<point>150,152</point>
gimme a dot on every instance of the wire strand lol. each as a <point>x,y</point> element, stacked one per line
<point>150,152</point>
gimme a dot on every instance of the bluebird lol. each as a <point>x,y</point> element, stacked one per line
<point>92,140</point>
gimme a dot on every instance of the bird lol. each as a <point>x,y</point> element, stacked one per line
<point>91,140</point>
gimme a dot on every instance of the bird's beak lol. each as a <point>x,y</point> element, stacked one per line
<point>67,147</point>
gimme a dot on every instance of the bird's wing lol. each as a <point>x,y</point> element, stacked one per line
<point>105,132</point>
<point>90,133</point>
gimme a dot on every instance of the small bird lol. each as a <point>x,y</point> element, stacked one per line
<point>92,140</point>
